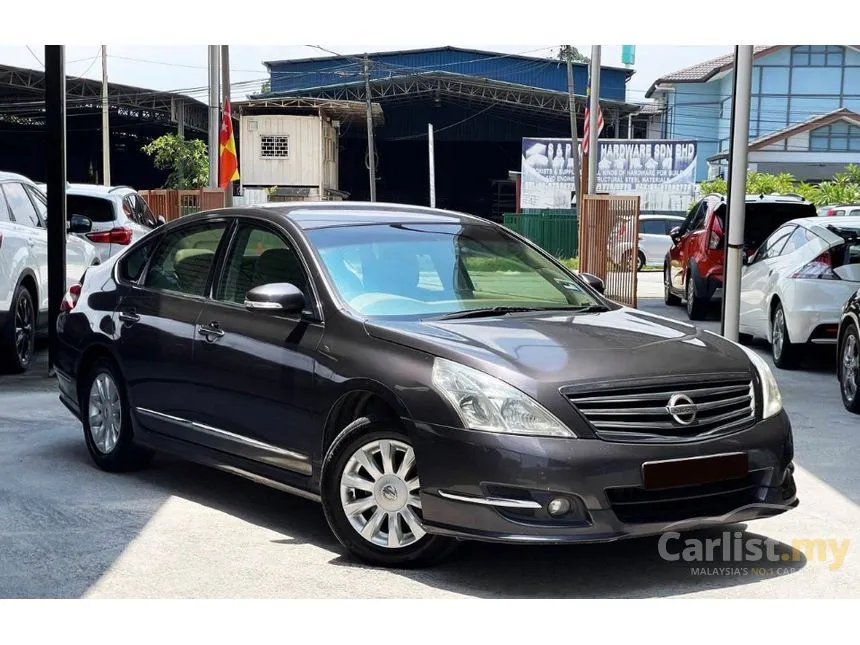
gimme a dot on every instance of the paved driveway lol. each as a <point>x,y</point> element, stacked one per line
<point>179,530</point>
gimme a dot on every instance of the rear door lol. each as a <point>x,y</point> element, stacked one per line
<point>156,320</point>
<point>30,227</point>
<point>14,254</point>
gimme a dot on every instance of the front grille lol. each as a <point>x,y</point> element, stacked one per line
<point>641,413</point>
<point>639,506</point>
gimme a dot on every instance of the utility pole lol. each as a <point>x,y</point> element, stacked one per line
<point>593,109</point>
<point>371,152</point>
<point>55,154</point>
<point>432,166</point>
<point>574,138</point>
<point>214,121</point>
<point>225,90</point>
<point>105,121</point>
<point>737,192</point>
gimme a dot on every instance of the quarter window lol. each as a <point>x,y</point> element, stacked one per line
<point>773,245</point>
<point>796,240</point>
<point>184,259</point>
<point>19,203</point>
<point>259,256</point>
<point>132,265</point>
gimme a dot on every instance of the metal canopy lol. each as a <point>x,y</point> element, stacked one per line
<point>22,100</point>
<point>436,83</point>
<point>354,112</point>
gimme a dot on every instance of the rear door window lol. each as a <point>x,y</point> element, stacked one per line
<point>98,209</point>
<point>652,227</point>
<point>21,206</point>
<point>4,209</point>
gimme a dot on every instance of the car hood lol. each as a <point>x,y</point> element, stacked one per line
<point>565,348</point>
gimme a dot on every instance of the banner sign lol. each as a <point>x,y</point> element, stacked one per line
<point>662,172</point>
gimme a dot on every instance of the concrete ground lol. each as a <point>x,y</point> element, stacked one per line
<point>182,531</point>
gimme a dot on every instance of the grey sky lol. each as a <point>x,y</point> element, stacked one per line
<point>184,67</point>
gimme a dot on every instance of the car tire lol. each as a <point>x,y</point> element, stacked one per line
<point>106,419</point>
<point>849,369</point>
<point>18,338</point>
<point>697,308</point>
<point>668,297</point>
<point>353,502</point>
<point>640,261</point>
<point>785,353</point>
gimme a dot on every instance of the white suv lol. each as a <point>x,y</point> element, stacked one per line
<point>119,215</point>
<point>24,268</point>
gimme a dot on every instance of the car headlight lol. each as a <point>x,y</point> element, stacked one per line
<point>771,397</point>
<point>483,402</point>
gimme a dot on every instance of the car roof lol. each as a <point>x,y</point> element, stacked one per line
<point>775,198</point>
<point>313,215</point>
<point>852,221</point>
<point>14,176</point>
<point>97,190</point>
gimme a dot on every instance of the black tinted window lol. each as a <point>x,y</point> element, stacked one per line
<point>652,227</point>
<point>260,256</point>
<point>132,265</point>
<point>184,258</point>
<point>19,203</point>
<point>773,245</point>
<point>98,209</point>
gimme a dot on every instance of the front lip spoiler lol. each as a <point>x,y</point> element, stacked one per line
<point>490,501</point>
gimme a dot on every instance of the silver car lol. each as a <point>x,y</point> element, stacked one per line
<point>119,215</point>
<point>654,241</point>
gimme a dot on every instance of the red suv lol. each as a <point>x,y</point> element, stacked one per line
<point>693,270</point>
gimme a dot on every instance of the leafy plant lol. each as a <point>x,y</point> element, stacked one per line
<point>844,188</point>
<point>186,159</point>
<point>571,52</point>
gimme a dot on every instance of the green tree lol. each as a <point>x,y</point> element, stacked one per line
<point>186,159</point>
<point>266,87</point>
<point>844,188</point>
<point>569,51</point>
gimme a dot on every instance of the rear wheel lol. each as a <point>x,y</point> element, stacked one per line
<point>18,339</point>
<point>372,500</point>
<point>668,297</point>
<point>785,353</point>
<point>849,370</point>
<point>697,308</point>
<point>640,261</point>
<point>107,420</point>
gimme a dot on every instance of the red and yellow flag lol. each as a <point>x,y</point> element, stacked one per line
<point>228,163</point>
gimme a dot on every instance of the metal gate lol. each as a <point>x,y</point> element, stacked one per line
<point>609,243</point>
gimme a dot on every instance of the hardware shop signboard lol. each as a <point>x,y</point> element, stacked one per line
<point>661,171</point>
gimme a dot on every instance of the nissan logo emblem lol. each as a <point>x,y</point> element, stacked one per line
<point>682,409</point>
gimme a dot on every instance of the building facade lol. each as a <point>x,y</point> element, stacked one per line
<point>803,113</point>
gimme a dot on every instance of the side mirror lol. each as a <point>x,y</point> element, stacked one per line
<point>160,220</point>
<point>675,234</point>
<point>275,298</point>
<point>80,224</point>
<point>594,282</point>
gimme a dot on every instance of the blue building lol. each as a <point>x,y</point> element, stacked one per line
<point>481,105</point>
<point>803,116</point>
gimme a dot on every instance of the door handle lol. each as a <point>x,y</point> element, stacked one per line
<point>210,332</point>
<point>128,316</point>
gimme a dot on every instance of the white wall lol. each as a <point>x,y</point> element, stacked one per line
<point>301,166</point>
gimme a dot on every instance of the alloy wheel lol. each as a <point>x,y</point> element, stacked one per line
<point>379,494</point>
<point>24,330</point>
<point>850,355</point>
<point>778,333</point>
<point>104,413</point>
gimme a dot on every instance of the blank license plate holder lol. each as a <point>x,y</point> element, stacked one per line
<point>674,473</point>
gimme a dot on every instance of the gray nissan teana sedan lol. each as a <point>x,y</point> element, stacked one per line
<point>427,375</point>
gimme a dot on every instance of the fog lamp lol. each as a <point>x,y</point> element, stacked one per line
<point>558,506</point>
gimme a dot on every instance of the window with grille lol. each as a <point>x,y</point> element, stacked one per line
<point>817,56</point>
<point>275,147</point>
<point>836,137</point>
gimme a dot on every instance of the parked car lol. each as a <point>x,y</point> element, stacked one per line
<point>120,215</point>
<point>24,268</point>
<point>793,288</point>
<point>426,375</point>
<point>839,211</point>
<point>848,363</point>
<point>654,241</point>
<point>693,268</point>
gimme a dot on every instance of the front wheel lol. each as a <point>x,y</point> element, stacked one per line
<point>640,261</point>
<point>849,370</point>
<point>371,497</point>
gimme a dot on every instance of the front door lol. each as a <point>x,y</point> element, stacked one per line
<point>255,370</point>
<point>755,279</point>
<point>155,323</point>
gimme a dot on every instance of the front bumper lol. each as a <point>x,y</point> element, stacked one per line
<point>496,488</point>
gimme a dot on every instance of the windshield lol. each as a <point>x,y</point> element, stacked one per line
<point>418,270</point>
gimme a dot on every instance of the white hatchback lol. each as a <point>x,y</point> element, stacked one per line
<point>24,268</point>
<point>654,240</point>
<point>793,288</point>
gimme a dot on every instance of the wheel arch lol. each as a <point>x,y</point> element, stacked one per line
<point>848,318</point>
<point>87,359</point>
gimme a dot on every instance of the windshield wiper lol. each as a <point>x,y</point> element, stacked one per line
<point>497,311</point>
